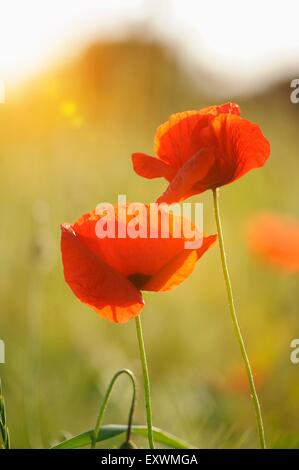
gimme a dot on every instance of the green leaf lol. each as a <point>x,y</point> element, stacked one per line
<point>112,430</point>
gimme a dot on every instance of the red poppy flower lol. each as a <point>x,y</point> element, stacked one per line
<point>108,274</point>
<point>200,150</point>
<point>275,239</point>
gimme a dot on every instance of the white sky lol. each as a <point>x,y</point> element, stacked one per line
<point>242,41</point>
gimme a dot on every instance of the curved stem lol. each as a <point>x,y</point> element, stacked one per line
<point>147,391</point>
<point>105,403</point>
<point>4,432</point>
<point>236,322</point>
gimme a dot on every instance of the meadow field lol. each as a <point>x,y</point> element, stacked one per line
<point>66,139</point>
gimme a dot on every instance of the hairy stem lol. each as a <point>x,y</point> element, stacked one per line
<point>235,321</point>
<point>147,391</point>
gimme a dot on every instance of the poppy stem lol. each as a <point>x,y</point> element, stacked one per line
<point>105,403</point>
<point>235,321</point>
<point>147,390</point>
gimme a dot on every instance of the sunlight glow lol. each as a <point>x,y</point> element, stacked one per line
<point>34,33</point>
<point>239,40</point>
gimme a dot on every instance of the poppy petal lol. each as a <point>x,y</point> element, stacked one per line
<point>188,178</point>
<point>150,167</point>
<point>136,256</point>
<point>179,268</point>
<point>243,145</point>
<point>172,139</point>
<point>226,108</point>
<point>95,283</point>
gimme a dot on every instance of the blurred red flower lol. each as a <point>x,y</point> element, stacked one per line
<point>275,239</point>
<point>200,150</point>
<point>235,379</point>
<point>108,274</point>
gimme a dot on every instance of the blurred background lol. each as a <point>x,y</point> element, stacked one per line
<point>86,84</point>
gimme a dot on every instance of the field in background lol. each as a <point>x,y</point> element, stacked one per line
<point>65,145</point>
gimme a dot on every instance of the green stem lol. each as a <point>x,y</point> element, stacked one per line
<point>147,391</point>
<point>105,403</point>
<point>4,432</point>
<point>236,323</point>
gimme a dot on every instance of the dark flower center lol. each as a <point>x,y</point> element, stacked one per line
<point>139,279</point>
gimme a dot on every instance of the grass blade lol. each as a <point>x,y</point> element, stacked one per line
<point>112,430</point>
<point>4,432</point>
